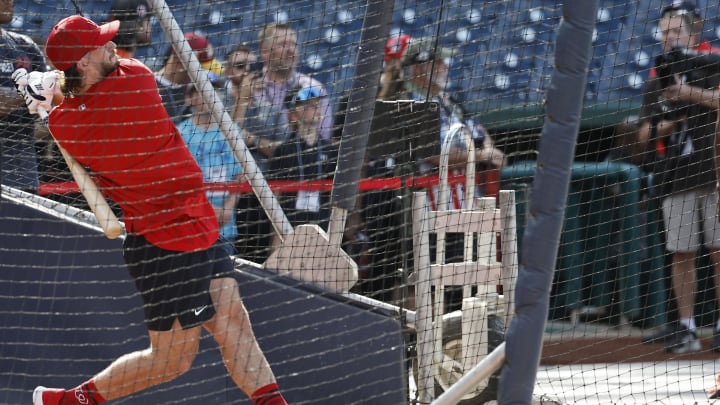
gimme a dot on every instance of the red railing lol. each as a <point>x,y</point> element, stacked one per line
<point>489,180</point>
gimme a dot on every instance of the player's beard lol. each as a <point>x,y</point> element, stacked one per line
<point>110,66</point>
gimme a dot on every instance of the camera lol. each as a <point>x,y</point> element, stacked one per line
<point>256,67</point>
<point>694,68</point>
<point>698,69</point>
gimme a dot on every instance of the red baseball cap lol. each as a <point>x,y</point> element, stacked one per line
<point>74,36</point>
<point>202,47</point>
<point>395,46</point>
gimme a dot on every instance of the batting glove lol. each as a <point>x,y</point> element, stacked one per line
<point>20,77</point>
<point>39,92</point>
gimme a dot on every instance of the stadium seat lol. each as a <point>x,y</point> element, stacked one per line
<point>409,18</point>
<point>620,80</point>
<point>458,29</point>
<point>644,21</point>
<point>302,14</point>
<point>317,58</point>
<point>711,29</point>
<point>607,25</point>
<point>31,18</point>
<point>537,25</point>
<point>504,87</point>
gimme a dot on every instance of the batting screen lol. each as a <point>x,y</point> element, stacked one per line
<point>632,306</point>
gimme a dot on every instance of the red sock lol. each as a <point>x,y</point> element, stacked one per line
<point>84,394</point>
<point>52,396</point>
<point>268,395</point>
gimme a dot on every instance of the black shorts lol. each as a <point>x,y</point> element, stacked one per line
<point>175,284</point>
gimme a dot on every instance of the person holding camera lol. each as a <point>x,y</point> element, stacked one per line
<point>679,112</point>
<point>262,121</point>
<point>265,128</point>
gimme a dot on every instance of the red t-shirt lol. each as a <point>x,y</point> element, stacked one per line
<point>121,131</point>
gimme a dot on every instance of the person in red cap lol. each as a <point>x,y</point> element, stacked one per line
<point>205,52</point>
<point>112,120</point>
<point>172,77</point>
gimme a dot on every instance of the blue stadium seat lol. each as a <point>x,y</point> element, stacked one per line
<point>223,36</point>
<point>711,29</point>
<point>97,10</point>
<point>302,14</point>
<point>408,17</point>
<point>349,21</point>
<point>318,58</point>
<point>457,31</point>
<point>621,79</point>
<point>647,15</point>
<point>487,11</point>
<point>473,53</point>
<point>32,19</point>
<point>608,23</point>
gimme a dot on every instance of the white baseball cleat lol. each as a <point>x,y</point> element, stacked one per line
<point>37,395</point>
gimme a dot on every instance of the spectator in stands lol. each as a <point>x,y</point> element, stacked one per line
<point>305,156</point>
<point>135,29</point>
<point>426,78</point>
<point>205,52</point>
<point>265,127</point>
<point>18,158</point>
<point>171,79</point>
<point>216,159</point>
<point>263,123</point>
<point>678,129</point>
<point>172,76</point>
<point>425,74</point>
<point>391,84</point>
<point>279,53</point>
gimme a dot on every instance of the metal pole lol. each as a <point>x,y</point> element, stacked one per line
<point>359,115</point>
<point>222,118</point>
<point>472,378</point>
<point>573,49</point>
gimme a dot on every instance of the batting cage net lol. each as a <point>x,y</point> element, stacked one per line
<point>371,167</point>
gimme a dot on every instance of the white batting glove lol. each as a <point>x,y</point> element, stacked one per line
<point>39,92</point>
<point>19,76</point>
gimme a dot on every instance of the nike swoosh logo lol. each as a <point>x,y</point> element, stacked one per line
<point>198,311</point>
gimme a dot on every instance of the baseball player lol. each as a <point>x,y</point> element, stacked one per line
<point>113,121</point>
